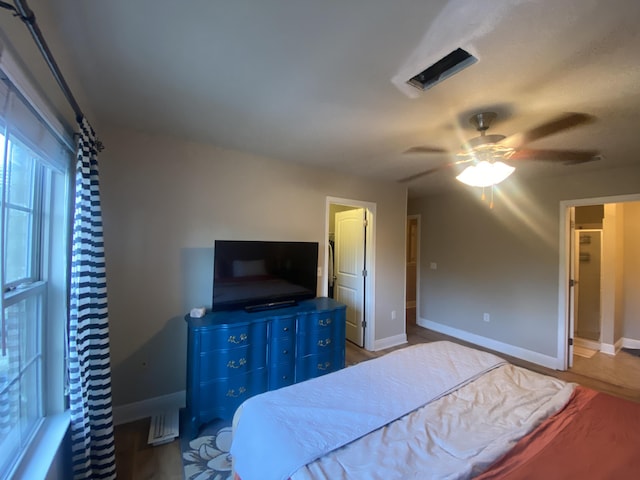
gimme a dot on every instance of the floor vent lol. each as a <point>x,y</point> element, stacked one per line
<point>442,69</point>
<point>164,428</point>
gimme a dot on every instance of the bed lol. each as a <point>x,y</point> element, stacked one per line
<point>436,410</point>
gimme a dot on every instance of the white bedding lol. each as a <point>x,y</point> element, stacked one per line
<point>283,430</point>
<point>455,437</point>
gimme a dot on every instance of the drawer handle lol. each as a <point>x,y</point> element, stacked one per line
<point>240,364</point>
<point>284,352</point>
<point>324,343</point>
<point>324,366</point>
<point>232,392</point>
<point>284,377</point>
<point>325,323</point>
<point>233,339</point>
<point>285,329</point>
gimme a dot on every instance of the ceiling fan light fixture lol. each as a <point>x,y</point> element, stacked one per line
<point>487,168</point>
<point>485,173</point>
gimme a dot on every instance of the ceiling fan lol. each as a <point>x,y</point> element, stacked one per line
<point>487,150</point>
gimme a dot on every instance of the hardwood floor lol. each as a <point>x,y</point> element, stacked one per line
<point>619,376</point>
<point>137,460</point>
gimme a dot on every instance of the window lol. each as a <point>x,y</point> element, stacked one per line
<point>34,236</point>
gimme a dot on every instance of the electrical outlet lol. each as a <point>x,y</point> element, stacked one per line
<point>486,317</point>
<point>393,314</point>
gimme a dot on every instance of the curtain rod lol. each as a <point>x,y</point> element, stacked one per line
<point>24,13</point>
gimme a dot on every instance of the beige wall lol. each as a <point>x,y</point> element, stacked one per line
<point>631,274</point>
<point>610,272</point>
<point>504,261</point>
<point>165,201</point>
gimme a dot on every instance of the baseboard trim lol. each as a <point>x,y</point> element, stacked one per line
<point>619,345</point>
<point>630,343</point>
<point>608,348</point>
<point>495,345</point>
<point>390,342</point>
<point>146,408</point>
<point>586,343</point>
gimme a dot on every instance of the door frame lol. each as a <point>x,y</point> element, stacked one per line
<point>564,290</point>
<point>369,281</point>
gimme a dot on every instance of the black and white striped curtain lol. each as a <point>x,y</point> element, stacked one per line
<point>93,447</point>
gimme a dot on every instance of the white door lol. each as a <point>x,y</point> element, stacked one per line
<point>349,269</point>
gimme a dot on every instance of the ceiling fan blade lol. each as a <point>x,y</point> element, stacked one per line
<point>424,173</point>
<point>424,149</point>
<point>563,122</point>
<point>569,157</point>
<point>420,175</point>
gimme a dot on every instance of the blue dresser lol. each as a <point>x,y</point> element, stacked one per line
<point>234,355</point>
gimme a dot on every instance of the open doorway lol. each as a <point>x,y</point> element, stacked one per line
<point>586,272</point>
<point>597,323</point>
<point>349,263</point>
<point>412,277</point>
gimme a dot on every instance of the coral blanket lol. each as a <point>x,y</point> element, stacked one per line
<point>594,436</point>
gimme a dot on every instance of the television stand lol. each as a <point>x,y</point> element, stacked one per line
<point>270,306</point>
<point>233,355</point>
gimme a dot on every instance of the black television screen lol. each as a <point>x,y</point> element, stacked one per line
<point>263,274</point>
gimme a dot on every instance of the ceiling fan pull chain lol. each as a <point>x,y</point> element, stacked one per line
<point>491,203</point>
<point>483,197</point>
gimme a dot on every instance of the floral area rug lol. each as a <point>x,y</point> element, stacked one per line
<point>207,456</point>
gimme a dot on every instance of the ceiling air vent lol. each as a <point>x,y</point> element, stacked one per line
<point>442,69</point>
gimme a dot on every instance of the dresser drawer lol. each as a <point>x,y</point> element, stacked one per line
<point>283,326</point>
<point>317,322</point>
<point>315,365</point>
<point>281,375</point>
<point>220,398</point>
<point>282,349</point>
<point>233,361</point>
<point>229,336</point>
<point>316,342</point>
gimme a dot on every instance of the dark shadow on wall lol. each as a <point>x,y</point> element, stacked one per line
<point>197,277</point>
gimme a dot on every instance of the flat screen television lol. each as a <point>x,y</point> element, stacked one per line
<point>257,275</point>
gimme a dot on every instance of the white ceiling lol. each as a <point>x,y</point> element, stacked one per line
<point>321,82</point>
